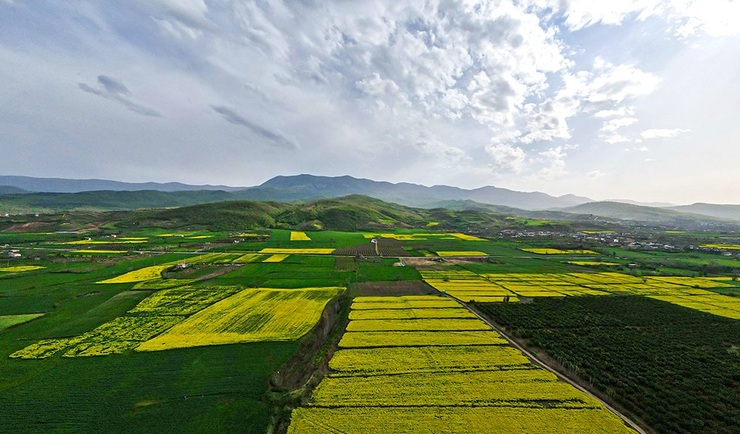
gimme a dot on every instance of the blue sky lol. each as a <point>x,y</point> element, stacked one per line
<point>634,99</point>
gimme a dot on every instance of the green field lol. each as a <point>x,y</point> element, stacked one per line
<point>72,317</point>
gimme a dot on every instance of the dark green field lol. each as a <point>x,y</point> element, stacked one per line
<point>675,368</point>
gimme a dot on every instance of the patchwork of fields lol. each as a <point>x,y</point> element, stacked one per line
<point>422,364</point>
<point>690,292</point>
<point>199,330</point>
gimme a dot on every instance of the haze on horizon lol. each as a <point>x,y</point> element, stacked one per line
<point>631,100</point>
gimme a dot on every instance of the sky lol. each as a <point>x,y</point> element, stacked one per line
<point>629,99</point>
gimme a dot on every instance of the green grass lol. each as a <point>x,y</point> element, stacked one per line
<point>210,389</point>
<point>11,320</point>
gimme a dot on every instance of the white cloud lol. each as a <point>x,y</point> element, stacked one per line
<point>688,17</point>
<point>506,158</point>
<point>658,133</point>
<point>555,161</point>
<point>595,174</point>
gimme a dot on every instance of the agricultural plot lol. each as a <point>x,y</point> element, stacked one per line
<point>20,268</point>
<point>674,368</point>
<point>419,338</point>
<point>11,320</point>
<point>140,275</point>
<point>252,315</point>
<point>299,236</point>
<point>427,376</point>
<point>152,316</point>
<point>548,251</point>
<point>460,253</point>
<point>291,251</point>
<point>278,257</point>
<point>488,288</point>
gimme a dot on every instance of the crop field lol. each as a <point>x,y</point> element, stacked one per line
<point>278,257</point>
<point>426,236</point>
<point>105,335</point>
<point>151,317</point>
<point>461,253</point>
<point>141,275</point>
<point>11,320</point>
<point>548,251</point>
<point>673,367</point>
<point>692,292</point>
<point>419,338</point>
<point>406,368</point>
<point>291,251</point>
<point>252,315</point>
<point>299,236</point>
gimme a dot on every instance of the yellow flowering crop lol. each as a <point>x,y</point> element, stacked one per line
<point>461,253</point>
<point>397,360</point>
<point>424,324</point>
<point>420,338</point>
<point>299,236</point>
<point>276,258</point>
<point>466,237</point>
<point>455,420</point>
<point>140,275</point>
<point>252,315</point>
<point>21,268</point>
<point>515,387</point>
<point>289,251</point>
<point>375,314</point>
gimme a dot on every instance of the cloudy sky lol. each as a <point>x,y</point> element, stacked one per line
<point>635,99</point>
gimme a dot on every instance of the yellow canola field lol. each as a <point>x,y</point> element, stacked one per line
<point>440,381</point>
<point>424,236</point>
<point>594,264</point>
<point>420,338</point>
<point>289,251</point>
<point>140,275</point>
<point>422,324</point>
<point>112,241</point>
<point>299,236</point>
<point>182,300</point>
<point>252,315</point>
<point>276,258</point>
<point>515,387</point>
<point>454,420</point>
<point>461,253</point>
<point>21,268</point>
<point>548,251</point>
<point>397,360</point>
<point>721,246</point>
<point>379,314</point>
<point>248,257</point>
<point>99,252</point>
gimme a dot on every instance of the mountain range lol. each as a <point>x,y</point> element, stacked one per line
<point>28,194</point>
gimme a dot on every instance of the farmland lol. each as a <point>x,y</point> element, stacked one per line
<point>237,330</point>
<point>415,377</point>
<point>673,367</point>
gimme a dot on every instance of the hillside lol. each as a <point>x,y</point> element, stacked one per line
<point>624,211</point>
<point>729,212</point>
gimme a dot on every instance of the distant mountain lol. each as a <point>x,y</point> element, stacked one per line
<point>625,211</point>
<point>731,212</point>
<point>312,187</point>
<point>635,202</point>
<point>9,189</point>
<point>60,185</point>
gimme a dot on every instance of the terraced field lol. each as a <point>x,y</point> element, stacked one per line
<point>439,373</point>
